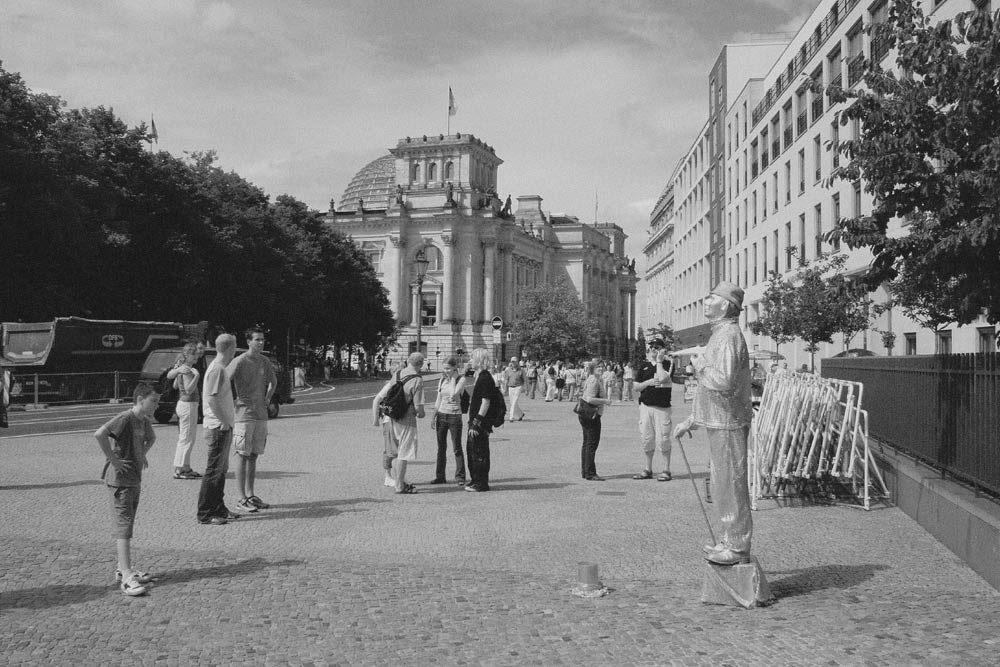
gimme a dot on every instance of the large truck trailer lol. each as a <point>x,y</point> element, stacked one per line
<point>76,359</point>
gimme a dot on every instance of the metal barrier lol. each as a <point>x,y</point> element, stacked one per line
<point>942,409</point>
<point>38,389</point>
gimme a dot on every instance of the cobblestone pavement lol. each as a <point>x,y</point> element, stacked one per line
<point>343,572</point>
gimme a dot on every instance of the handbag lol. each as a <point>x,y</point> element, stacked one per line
<point>585,409</point>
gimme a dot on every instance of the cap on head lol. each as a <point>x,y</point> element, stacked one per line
<point>730,292</point>
<point>657,341</point>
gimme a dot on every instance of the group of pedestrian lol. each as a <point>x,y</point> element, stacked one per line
<point>470,391</point>
<point>234,394</point>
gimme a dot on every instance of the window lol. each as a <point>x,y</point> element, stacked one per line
<point>763,258</point>
<point>802,170</point>
<point>987,338</point>
<point>415,173</point>
<point>777,266</point>
<point>373,251</point>
<point>428,309</point>
<point>835,142</point>
<point>836,220</point>
<point>746,268</point>
<point>802,239</point>
<point>754,263</point>
<point>432,170</point>
<point>911,342</point>
<point>802,116</point>
<point>449,171</point>
<point>788,246</point>
<point>818,157</point>
<point>857,199</point>
<point>788,181</point>
<point>774,189</point>
<point>433,256</point>
<point>818,217</point>
<point>942,342</point>
<point>753,199</point>
<point>763,204</point>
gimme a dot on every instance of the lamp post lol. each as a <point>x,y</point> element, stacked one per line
<point>420,259</point>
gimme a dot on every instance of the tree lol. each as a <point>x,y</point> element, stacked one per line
<point>550,321</point>
<point>929,152</point>
<point>664,330</point>
<point>778,307</point>
<point>638,350</point>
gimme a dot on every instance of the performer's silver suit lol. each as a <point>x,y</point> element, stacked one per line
<point>722,405</point>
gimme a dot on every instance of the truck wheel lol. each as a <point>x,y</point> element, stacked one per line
<point>272,409</point>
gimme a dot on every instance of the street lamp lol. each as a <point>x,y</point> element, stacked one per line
<point>420,259</point>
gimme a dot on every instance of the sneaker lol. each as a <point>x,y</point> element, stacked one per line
<point>389,481</point>
<point>133,588</point>
<point>141,577</point>
<point>246,506</point>
<point>258,503</point>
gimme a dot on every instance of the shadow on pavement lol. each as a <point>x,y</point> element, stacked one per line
<point>270,474</point>
<point>229,570</point>
<point>53,485</point>
<point>315,510</point>
<point>813,579</point>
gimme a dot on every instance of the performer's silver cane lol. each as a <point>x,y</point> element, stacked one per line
<point>704,512</point>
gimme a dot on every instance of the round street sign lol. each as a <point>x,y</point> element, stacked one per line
<point>497,323</point>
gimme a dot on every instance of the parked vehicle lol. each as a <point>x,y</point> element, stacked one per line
<point>154,372</point>
<point>77,359</point>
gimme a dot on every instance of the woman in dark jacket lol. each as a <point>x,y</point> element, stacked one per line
<point>594,394</point>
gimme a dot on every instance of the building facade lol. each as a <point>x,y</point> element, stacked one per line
<point>438,195</point>
<point>779,202</point>
<point>659,253</point>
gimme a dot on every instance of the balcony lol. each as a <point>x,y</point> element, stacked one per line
<point>880,47</point>
<point>836,82</point>
<point>801,123</point>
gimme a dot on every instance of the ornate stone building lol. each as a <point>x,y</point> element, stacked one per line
<point>439,195</point>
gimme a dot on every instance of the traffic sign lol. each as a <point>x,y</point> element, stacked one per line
<point>497,323</point>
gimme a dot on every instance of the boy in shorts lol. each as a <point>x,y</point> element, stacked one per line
<point>132,433</point>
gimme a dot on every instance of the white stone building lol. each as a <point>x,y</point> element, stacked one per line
<point>437,194</point>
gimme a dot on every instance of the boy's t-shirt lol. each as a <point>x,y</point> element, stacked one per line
<point>130,436</point>
<point>250,375</point>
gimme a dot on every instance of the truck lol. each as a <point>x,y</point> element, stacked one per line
<point>73,359</point>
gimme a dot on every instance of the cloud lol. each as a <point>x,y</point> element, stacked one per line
<point>218,16</point>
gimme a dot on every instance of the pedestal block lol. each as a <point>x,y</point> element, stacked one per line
<point>742,585</point>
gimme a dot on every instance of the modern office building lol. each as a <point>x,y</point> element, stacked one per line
<point>437,195</point>
<point>778,199</point>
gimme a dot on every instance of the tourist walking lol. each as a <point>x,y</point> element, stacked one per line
<point>531,375</point>
<point>401,432</point>
<point>513,379</point>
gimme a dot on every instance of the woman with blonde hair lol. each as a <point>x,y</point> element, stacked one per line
<point>448,419</point>
<point>594,394</point>
<point>477,448</point>
<point>185,377</point>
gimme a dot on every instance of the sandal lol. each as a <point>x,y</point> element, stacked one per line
<point>645,474</point>
<point>407,489</point>
<point>664,476</point>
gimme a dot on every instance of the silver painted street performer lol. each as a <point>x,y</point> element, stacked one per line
<point>722,406</point>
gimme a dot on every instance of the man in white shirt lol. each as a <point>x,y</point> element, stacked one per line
<point>220,416</point>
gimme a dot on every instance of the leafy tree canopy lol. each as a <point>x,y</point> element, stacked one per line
<point>550,322</point>
<point>929,153</point>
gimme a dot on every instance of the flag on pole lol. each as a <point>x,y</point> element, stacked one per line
<point>152,131</point>
<point>451,103</point>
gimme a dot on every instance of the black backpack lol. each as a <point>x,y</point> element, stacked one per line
<point>395,404</point>
<point>496,415</point>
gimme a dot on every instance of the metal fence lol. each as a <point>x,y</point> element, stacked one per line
<point>943,409</point>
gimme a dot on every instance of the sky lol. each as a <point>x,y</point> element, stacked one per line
<point>583,100</point>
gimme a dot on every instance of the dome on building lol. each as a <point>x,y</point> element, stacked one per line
<point>375,184</point>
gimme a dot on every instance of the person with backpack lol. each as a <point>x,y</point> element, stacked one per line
<point>477,448</point>
<point>396,408</point>
<point>451,398</point>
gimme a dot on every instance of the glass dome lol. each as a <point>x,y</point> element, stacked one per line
<point>375,183</point>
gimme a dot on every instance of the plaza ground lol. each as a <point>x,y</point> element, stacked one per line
<point>341,571</point>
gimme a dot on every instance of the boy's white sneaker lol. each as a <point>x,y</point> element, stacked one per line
<point>133,588</point>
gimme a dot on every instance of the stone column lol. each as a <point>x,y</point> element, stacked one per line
<point>393,273</point>
<point>507,297</point>
<point>447,289</point>
<point>489,268</point>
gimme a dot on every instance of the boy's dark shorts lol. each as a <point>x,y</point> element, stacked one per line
<point>124,503</point>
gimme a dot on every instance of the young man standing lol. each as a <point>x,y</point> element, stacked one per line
<point>220,417</point>
<point>254,379</point>
<point>513,380</point>
<point>653,383</point>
